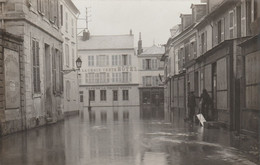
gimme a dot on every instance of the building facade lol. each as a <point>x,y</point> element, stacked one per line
<point>151,88</point>
<point>109,75</point>
<point>68,28</point>
<point>207,55</point>
<point>36,36</point>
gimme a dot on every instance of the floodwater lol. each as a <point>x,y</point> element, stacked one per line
<point>120,136</point>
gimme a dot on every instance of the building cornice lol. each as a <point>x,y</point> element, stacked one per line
<point>57,37</point>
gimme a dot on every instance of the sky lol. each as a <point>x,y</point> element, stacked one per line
<point>153,18</point>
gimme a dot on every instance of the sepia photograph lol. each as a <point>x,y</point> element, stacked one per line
<point>129,82</point>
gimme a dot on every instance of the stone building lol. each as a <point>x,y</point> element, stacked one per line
<point>151,88</point>
<point>109,75</point>
<point>37,24</point>
<point>249,79</point>
<point>68,28</point>
<point>210,58</point>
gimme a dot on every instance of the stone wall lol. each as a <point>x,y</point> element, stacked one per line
<point>11,119</point>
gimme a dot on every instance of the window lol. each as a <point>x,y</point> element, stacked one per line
<point>191,51</point>
<point>102,60</point>
<point>36,67</point>
<point>148,81</point>
<point>103,95</point>
<point>107,77</point>
<point>90,77</point>
<point>124,59</point>
<point>146,64</point>
<point>81,96</point>
<point>91,95</point>
<point>154,64</point>
<point>115,60</point>
<point>56,71</point>
<point>102,77</point>
<point>97,80</point>
<point>115,95</point>
<point>90,60</point>
<point>155,81</point>
<point>80,78</point>
<point>231,24</point>
<point>125,95</point>
<point>67,54</point>
<point>40,6</point>
<point>125,77</point>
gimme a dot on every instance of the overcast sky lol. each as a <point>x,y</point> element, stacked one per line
<point>153,18</point>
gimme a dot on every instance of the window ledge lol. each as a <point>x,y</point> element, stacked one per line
<point>36,95</point>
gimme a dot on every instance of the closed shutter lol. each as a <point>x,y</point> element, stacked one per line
<point>144,64</point>
<point>107,61</point>
<point>61,73</point>
<point>222,29</point>
<point>120,59</point>
<point>144,81</point>
<point>130,77</point>
<point>129,59</point>
<point>36,68</point>
<point>53,70</point>
<point>205,42</point>
<point>97,58</point>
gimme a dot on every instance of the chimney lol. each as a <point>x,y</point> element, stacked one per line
<point>140,49</point>
<point>131,32</point>
<point>86,35</point>
<point>198,11</point>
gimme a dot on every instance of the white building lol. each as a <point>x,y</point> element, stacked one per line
<point>109,74</point>
<point>69,14</point>
<point>150,67</point>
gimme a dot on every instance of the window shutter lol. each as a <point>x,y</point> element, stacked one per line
<point>130,77</point>
<point>61,73</point>
<point>53,70</point>
<point>143,81</point>
<point>37,62</point>
<point>120,59</point>
<point>129,59</point>
<point>200,51</point>
<point>97,58</point>
<point>205,41</point>
<point>107,61</point>
<point>222,28</point>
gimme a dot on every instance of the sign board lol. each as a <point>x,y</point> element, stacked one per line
<point>201,119</point>
<point>12,79</point>
<point>110,69</point>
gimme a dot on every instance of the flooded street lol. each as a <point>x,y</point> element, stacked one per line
<point>120,136</point>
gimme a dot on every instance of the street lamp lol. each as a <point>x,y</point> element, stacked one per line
<point>78,64</point>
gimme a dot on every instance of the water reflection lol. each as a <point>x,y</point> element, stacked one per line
<point>120,136</point>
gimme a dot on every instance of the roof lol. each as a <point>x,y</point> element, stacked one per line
<point>72,5</point>
<point>100,42</point>
<point>153,50</point>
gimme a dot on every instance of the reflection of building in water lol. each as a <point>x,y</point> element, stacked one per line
<point>150,69</point>
<point>100,115</point>
<point>113,140</point>
<point>109,75</point>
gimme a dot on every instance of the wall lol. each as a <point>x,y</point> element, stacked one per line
<point>12,84</point>
<point>70,79</point>
<point>30,24</point>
